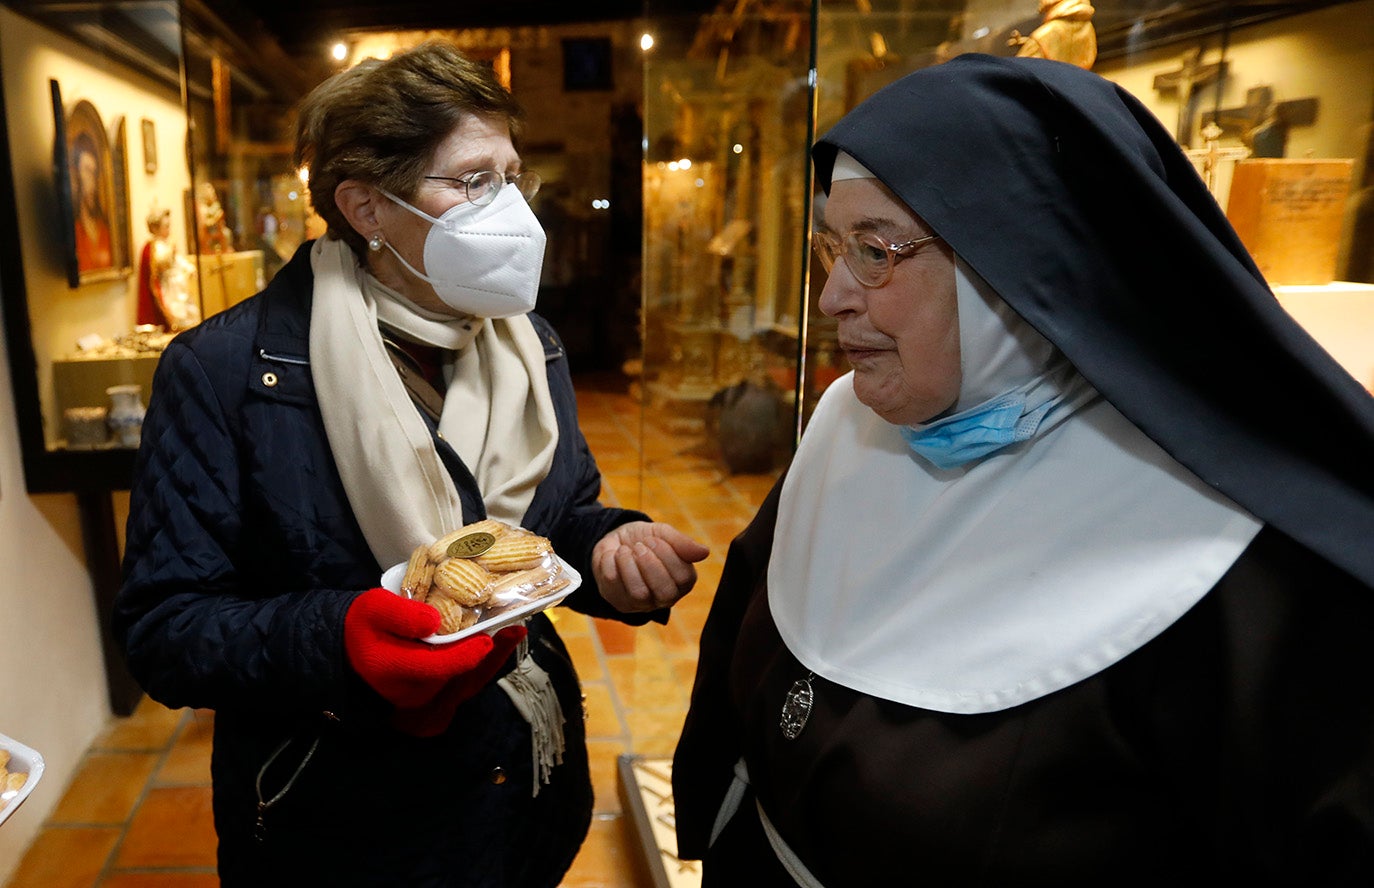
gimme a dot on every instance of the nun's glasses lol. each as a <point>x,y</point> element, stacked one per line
<point>869,257</point>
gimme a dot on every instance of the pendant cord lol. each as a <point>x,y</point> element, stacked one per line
<point>264,805</point>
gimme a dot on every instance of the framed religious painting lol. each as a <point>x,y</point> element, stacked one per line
<point>91,198</point>
<point>119,178</point>
<point>149,146</point>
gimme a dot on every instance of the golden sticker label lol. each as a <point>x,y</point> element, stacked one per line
<point>471,545</point>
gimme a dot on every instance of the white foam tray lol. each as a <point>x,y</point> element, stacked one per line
<point>22,758</point>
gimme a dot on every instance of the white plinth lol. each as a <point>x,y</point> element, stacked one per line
<point>1340,316</point>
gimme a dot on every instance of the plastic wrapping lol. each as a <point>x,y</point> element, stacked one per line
<point>507,596</point>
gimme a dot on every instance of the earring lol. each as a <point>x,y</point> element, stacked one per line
<point>375,244</point>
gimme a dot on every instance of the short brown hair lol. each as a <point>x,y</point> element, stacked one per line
<point>380,122</point>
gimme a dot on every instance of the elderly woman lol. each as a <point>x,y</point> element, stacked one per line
<point>1069,582</point>
<point>389,386</point>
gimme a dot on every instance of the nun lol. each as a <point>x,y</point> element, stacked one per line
<point>1069,580</point>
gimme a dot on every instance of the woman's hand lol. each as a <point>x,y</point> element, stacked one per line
<point>644,566</point>
<point>382,635</point>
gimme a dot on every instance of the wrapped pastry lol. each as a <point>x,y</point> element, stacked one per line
<point>516,550</point>
<point>534,582</point>
<point>453,617</point>
<point>463,580</point>
<point>485,574</point>
<point>419,574</point>
<point>439,549</point>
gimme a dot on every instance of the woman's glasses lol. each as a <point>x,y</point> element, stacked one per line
<point>481,187</point>
<point>869,257</point>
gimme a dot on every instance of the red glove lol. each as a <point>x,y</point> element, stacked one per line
<point>433,718</point>
<point>381,637</point>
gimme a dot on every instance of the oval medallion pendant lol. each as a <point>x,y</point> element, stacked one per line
<point>796,709</point>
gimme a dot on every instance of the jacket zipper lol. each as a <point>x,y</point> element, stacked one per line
<point>282,359</point>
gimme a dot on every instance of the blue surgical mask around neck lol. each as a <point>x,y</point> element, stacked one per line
<point>997,423</point>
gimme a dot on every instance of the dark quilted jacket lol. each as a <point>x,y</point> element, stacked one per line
<point>242,557</point>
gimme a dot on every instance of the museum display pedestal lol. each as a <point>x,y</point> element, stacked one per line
<point>1340,316</point>
<point>227,279</point>
<point>82,382</point>
<point>646,793</point>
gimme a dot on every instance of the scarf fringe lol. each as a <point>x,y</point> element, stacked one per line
<point>531,691</point>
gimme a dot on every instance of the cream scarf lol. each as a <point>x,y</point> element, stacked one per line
<point>498,413</point>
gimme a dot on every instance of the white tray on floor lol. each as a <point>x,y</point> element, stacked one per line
<point>23,759</point>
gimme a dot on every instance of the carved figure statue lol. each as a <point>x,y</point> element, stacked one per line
<point>1065,34</point>
<point>214,231</point>
<point>164,285</point>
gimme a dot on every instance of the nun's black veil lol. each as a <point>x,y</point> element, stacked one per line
<point>1076,205</point>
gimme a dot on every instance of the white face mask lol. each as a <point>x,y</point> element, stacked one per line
<point>483,261</point>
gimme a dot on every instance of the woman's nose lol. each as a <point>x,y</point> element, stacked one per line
<point>841,292</point>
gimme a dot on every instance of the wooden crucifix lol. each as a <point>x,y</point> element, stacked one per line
<point>1190,78</point>
<point>1263,124</point>
<point>1211,156</point>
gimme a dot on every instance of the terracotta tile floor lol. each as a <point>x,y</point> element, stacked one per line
<point>137,813</point>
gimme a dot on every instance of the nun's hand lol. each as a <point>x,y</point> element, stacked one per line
<point>644,566</point>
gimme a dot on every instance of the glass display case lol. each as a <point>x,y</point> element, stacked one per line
<point>728,115</point>
<point>1274,103</point>
<point>151,187</point>
<point>93,130</point>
